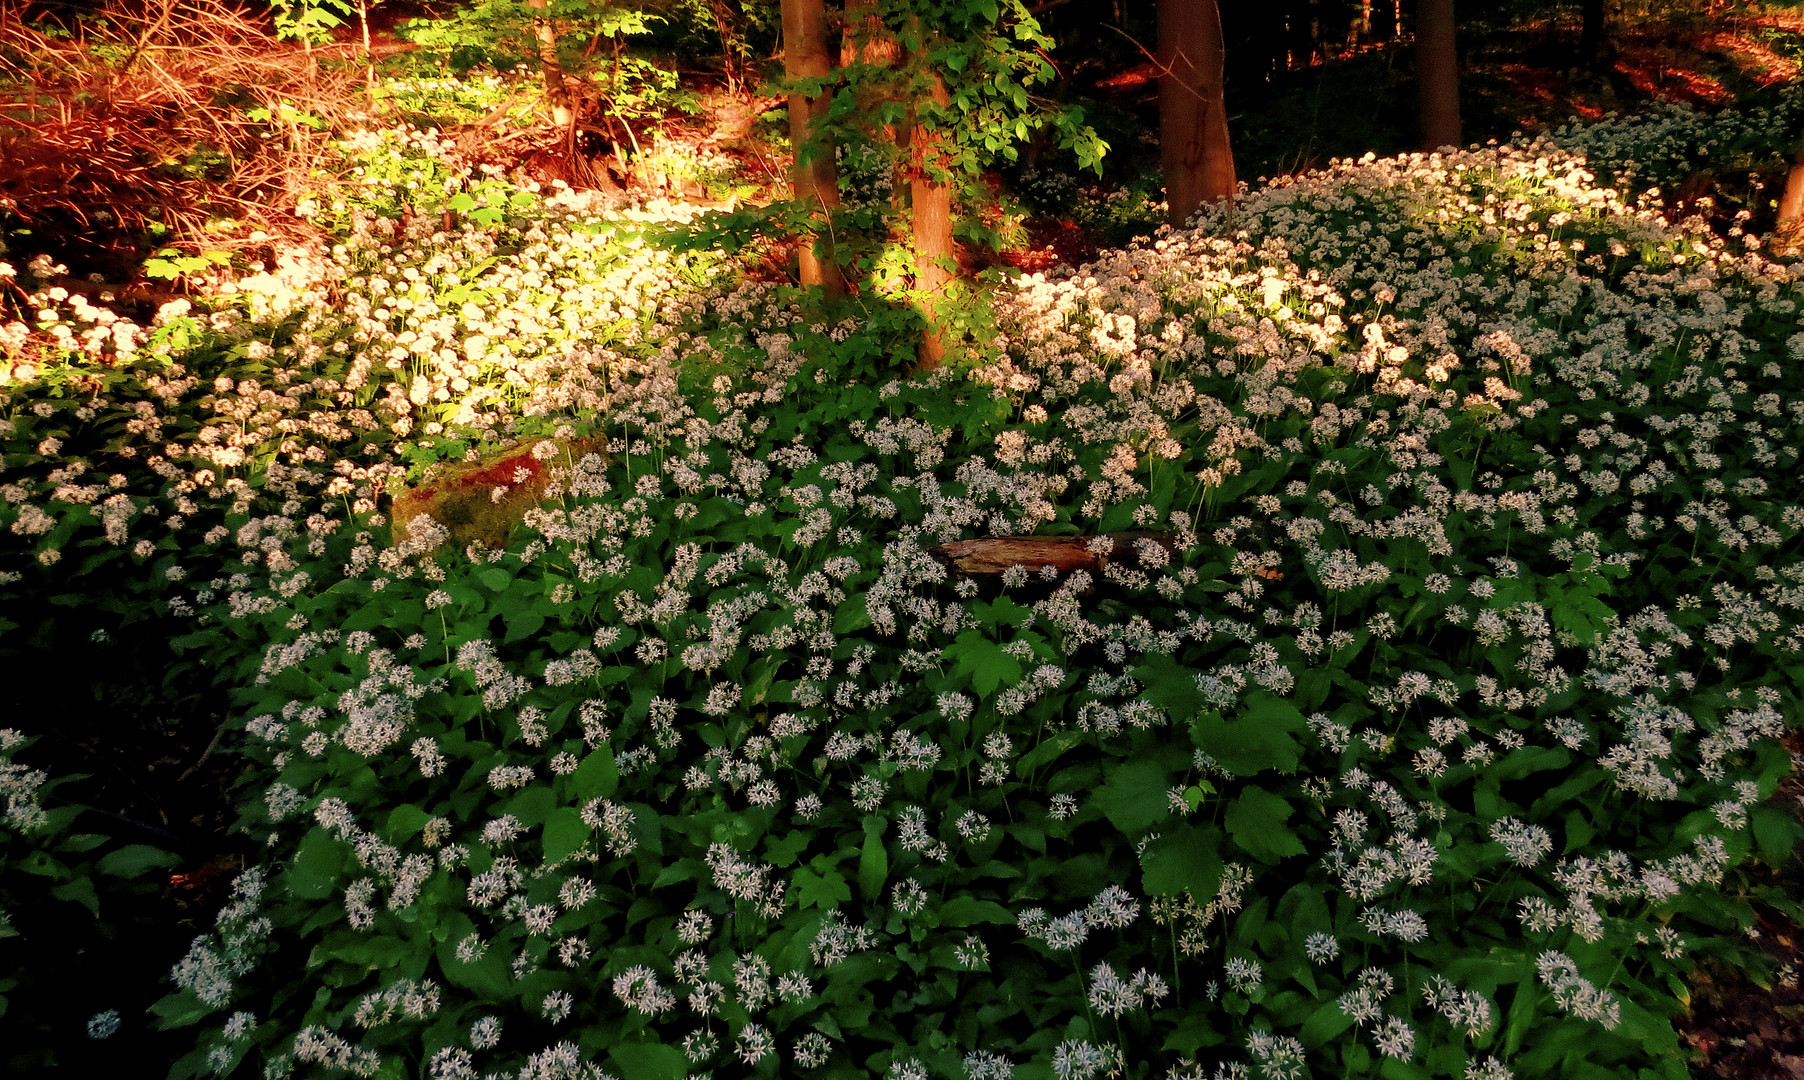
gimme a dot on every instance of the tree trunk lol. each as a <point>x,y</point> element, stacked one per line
<point>1437,74</point>
<point>930,193</point>
<point>814,177</point>
<point>1591,32</point>
<point>867,40</point>
<point>1193,119</point>
<point>1791,204</point>
<point>557,95</point>
<point>1386,14</point>
<point>1299,33</point>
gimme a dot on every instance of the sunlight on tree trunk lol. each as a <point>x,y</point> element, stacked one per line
<point>1790,228</point>
<point>556,93</point>
<point>1437,74</point>
<point>1193,119</point>
<point>814,177</point>
<point>930,192</point>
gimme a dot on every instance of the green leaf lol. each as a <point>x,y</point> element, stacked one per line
<point>1133,796</point>
<point>851,615</point>
<point>533,805</point>
<point>1328,1021</point>
<point>522,625</point>
<point>784,850</point>
<point>488,977</point>
<point>405,822</point>
<point>1256,822</point>
<point>1583,616</point>
<point>824,890</point>
<point>983,661</point>
<point>134,860</point>
<point>597,777</point>
<point>1170,686</point>
<point>1184,861</point>
<point>1777,832</point>
<point>313,872</point>
<point>649,1061</point>
<point>80,890</point>
<point>565,834</point>
<point>969,911</point>
<point>873,865</point>
<point>1262,737</point>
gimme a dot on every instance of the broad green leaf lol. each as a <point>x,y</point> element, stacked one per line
<point>565,833</point>
<point>825,890</point>
<point>649,1061</point>
<point>1256,822</point>
<point>851,615</point>
<point>1186,860</point>
<point>1261,737</point>
<point>313,872</point>
<point>983,661</point>
<point>1326,1022</point>
<point>970,910</point>
<point>597,777</point>
<point>136,859</point>
<point>1170,686</point>
<point>873,866</point>
<point>1133,795</point>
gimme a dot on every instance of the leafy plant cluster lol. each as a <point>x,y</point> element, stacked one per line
<point>1668,149</point>
<point>69,892</point>
<point>1413,719</point>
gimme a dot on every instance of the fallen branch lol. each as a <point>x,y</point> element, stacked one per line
<point>996,554</point>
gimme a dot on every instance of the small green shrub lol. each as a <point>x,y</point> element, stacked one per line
<point>69,897</point>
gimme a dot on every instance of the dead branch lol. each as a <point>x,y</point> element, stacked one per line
<point>996,554</point>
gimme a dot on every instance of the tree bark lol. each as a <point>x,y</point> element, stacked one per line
<point>930,196</point>
<point>563,111</point>
<point>1193,118</point>
<point>1386,14</point>
<point>1299,33</point>
<point>814,177</point>
<point>1437,74</point>
<point>1591,32</point>
<point>1791,203</point>
<point>997,554</point>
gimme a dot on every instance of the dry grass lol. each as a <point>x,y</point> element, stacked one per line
<point>139,122</point>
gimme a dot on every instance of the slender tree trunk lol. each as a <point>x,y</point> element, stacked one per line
<point>931,199</point>
<point>563,114</point>
<point>1193,119</point>
<point>814,178</point>
<point>732,55</point>
<point>1437,74</point>
<point>1299,33</point>
<point>1591,32</point>
<point>1791,204</point>
<point>1386,14</point>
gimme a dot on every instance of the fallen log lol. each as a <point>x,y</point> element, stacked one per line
<point>996,554</point>
<point>481,501</point>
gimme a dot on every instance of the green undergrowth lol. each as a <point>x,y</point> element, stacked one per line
<point>1415,721</point>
